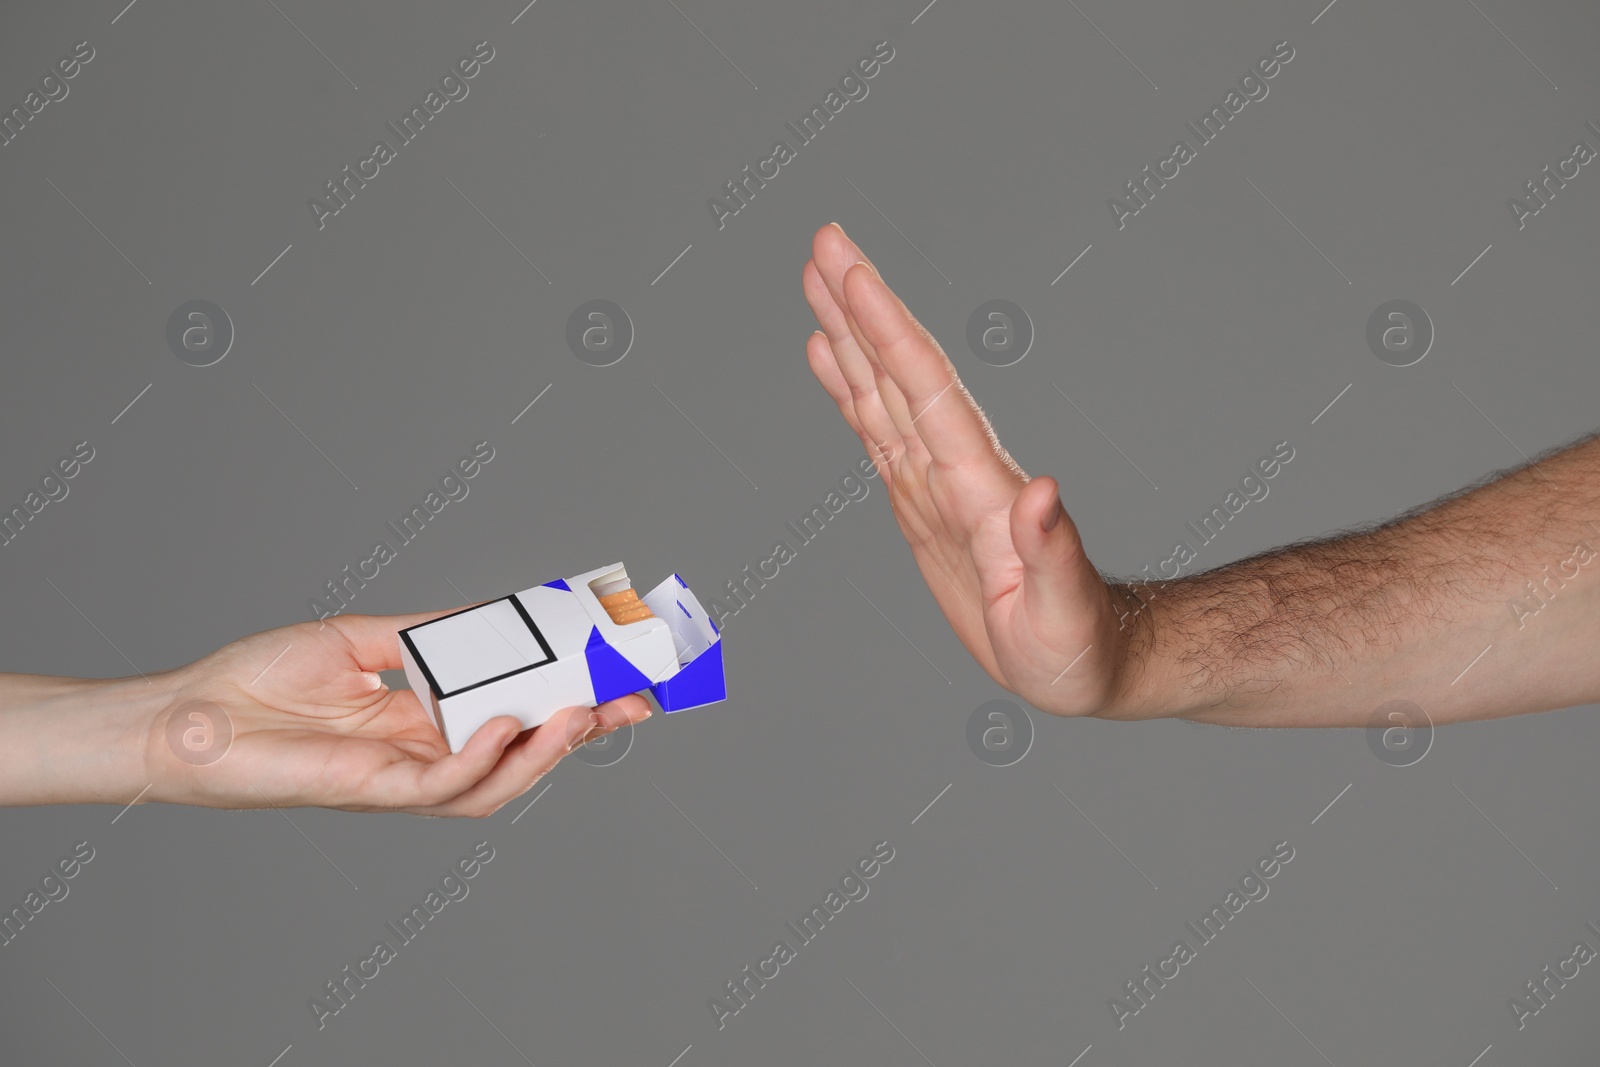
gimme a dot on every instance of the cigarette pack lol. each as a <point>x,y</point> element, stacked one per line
<point>575,641</point>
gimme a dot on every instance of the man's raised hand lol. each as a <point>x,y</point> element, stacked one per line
<point>996,547</point>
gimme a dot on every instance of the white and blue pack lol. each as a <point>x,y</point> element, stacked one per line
<point>556,645</point>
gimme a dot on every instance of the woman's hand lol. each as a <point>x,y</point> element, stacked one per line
<point>319,727</point>
<point>299,716</point>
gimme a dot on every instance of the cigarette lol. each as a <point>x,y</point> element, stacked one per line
<point>625,606</point>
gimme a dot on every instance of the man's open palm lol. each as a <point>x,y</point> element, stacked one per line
<point>996,548</point>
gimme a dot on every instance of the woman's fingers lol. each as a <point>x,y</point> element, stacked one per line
<point>533,755</point>
<point>448,776</point>
<point>525,760</point>
<point>374,640</point>
<point>629,710</point>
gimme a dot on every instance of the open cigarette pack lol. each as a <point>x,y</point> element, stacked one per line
<point>575,641</point>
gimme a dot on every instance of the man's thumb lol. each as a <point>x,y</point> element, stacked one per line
<point>1058,583</point>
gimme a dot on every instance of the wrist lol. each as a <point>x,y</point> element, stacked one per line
<point>1149,683</point>
<point>80,741</point>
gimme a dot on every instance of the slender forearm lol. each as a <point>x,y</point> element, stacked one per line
<point>69,740</point>
<point>1504,579</point>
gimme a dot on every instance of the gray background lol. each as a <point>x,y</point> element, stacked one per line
<point>1195,338</point>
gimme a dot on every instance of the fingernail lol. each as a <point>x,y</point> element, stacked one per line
<point>869,266</point>
<point>1053,516</point>
<point>836,226</point>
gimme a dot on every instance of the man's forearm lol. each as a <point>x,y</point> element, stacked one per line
<point>1484,604</point>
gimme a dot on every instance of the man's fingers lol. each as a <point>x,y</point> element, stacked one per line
<point>948,420</point>
<point>1061,591</point>
<point>819,355</point>
<point>834,254</point>
<point>866,400</point>
<point>1045,537</point>
<point>932,410</point>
